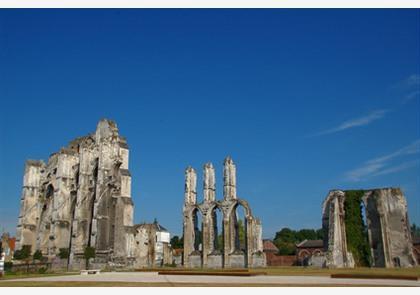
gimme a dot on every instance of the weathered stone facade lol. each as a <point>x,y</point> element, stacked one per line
<point>80,197</point>
<point>201,244</point>
<point>388,230</point>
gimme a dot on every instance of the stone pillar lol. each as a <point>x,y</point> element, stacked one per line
<point>209,183</point>
<point>84,200</point>
<point>29,211</point>
<point>333,212</point>
<point>229,179</point>
<point>190,193</point>
<point>226,240</point>
<point>190,200</point>
<point>64,199</point>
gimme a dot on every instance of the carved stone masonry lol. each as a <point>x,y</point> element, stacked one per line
<point>81,197</point>
<point>206,245</point>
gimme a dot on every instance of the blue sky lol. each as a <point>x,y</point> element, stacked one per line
<point>303,100</point>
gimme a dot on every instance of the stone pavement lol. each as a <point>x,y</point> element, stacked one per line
<point>153,277</point>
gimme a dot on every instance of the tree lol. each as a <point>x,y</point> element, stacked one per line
<point>415,230</point>
<point>64,253</point>
<point>177,243</point>
<point>286,239</point>
<point>89,253</point>
<point>37,255</point>
<point>23,253</point>
<point>286,235</point>
<point>241,234</point>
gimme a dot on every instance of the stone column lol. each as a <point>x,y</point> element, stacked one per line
<point>190,193</point>
<point>229,179</point>
<point>84,200</point>
<point>63,200</point>
<point>209,183</point>
<point>190,200</point>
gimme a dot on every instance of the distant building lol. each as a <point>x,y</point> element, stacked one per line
<point>310,252</point>
<point>7,245</point>
<point>272,257</point>
<point>153,245</point>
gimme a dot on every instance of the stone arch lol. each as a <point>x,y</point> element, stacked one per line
<point>317,252</point>
<point>215,217</point>
<point>304,253</point>
<point>245,205</point>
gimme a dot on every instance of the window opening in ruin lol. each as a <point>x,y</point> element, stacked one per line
<point>198,230</point>
<point>240,228</point>
<point>218,232</point>
<point>397,262</point>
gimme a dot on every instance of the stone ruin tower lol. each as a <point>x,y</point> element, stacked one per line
<point>206,245</point>
<point>80,197</point>
<point>367,228</point>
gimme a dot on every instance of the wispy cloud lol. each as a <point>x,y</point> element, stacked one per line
<point>398,168</point>
<point>381,165</point>
<point>411,96</point>
<point>356,122</point>
<point>409,82</point>
<point>413,80</point>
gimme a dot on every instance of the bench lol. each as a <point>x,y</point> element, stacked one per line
<point>90,271</point>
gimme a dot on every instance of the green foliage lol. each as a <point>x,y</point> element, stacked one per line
<point>23,253</point>
<point>64,253</point>
<point>8,266</point>
<point>37,255</point>
<point>415,230</point>
<point>285,248</point>
<point>89,253</point>
<point>242,235</point>
<point>177,243</point>
<point>356,231</point>
<point>286,239</point>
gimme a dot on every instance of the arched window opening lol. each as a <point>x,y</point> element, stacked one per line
<point>240,228</point>
<point>198,230</point>
<point>218,231</point>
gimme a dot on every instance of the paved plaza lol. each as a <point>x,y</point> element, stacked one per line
<point>155,278</point>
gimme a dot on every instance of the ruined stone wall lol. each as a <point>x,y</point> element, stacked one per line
<point>80,197</point>
<point>231,254</point>
<point>387,229</point>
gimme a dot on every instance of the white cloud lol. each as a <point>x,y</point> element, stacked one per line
<point>413,80</point>
<point>375,166</point>
<point>398,168</point>
<point>357,122</point>
<point>411,96</point>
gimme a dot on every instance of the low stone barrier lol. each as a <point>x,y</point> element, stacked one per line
<point>374,276</point>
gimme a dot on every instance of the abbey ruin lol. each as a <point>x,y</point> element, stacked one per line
<point>367,228</point>
<point>207,245</point>
<point>82,197</point>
